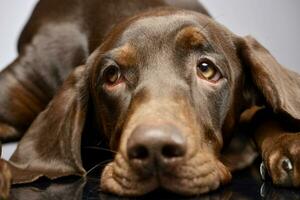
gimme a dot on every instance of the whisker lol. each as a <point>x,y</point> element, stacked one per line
<point>219,16</point>
<point>205,26</point>
<point>99,143</point>
<point>100,148</point>
<point>98,165</point>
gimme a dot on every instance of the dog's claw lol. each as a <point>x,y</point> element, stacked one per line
<point>287,165</point>
<point>262,170</point>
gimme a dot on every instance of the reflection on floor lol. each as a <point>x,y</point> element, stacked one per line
<point>245,185</point>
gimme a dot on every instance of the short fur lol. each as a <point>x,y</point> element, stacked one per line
<point>58,110</point>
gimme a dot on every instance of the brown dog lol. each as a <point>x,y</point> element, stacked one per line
<point>165,88</point>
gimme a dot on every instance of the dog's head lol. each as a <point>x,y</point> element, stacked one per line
<point>163,86</point>
<point>166,88</point>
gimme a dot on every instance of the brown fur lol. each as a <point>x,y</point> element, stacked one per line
<point>158,50</point>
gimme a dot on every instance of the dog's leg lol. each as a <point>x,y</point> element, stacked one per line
<point>9,133</point>
<point>29,83</point>
<point>24,93</point>
<point>5,178</point>
<point>280,150</point>
<point>20,99</point>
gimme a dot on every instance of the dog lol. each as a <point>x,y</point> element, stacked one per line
<point>160,84</point>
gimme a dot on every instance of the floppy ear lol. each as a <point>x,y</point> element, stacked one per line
<point>52,145</point>
<point>279,86</point>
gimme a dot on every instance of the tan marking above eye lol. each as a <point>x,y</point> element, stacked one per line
<point>126,55</point>
<point>190,37</point>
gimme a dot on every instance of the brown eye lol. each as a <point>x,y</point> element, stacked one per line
<point>112,75</point>
<point>208,71</point>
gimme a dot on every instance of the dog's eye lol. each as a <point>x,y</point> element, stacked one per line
<point>112,75</point>
<point>208,71</point>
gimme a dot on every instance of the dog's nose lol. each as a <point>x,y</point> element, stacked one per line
<point>149,144</point>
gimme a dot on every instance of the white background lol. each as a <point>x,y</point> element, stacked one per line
<point>275,23</point>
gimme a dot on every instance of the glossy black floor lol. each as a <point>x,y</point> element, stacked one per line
<point>245,185</point>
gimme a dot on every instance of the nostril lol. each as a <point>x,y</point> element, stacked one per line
<point>138,152</point>
<point>172,151</point>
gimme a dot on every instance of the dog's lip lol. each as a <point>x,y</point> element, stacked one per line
<point>162,182</point>
<point>197,175</point>
<point>156,175</point>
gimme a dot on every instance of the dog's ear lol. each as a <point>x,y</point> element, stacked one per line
<point>279,87</point>
<point>51,146</point>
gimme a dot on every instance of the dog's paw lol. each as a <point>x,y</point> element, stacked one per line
<point>281,160</point>
<point>5,180</point>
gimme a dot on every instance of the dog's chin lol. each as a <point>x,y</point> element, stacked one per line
<point>199,175</point>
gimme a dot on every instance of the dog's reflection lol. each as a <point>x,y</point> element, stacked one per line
<point>89,189</point>
<point>269,192</point>
<point>246,187</point>
<point>43,190</point>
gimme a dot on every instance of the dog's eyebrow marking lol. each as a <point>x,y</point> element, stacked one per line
<point>190,37</point>
<point>126,55</point>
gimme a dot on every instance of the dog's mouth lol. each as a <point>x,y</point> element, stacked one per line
<point>197,175</point>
